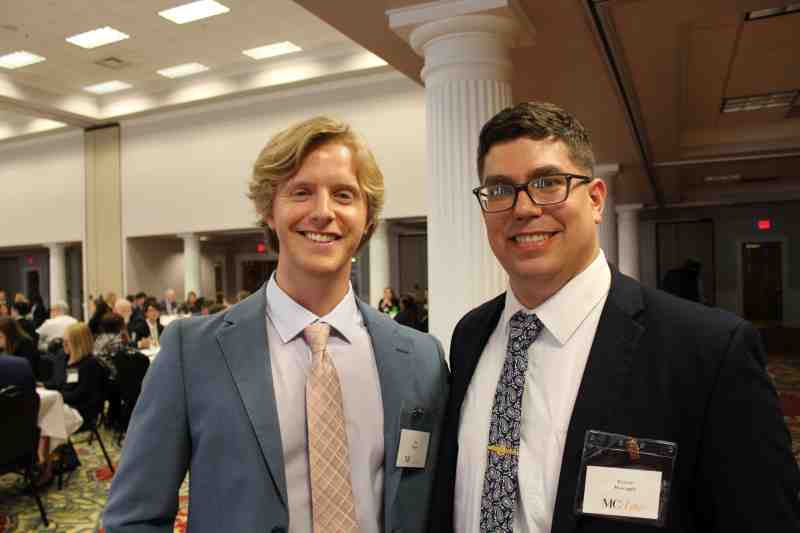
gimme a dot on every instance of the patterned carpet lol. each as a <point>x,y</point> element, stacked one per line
<point>77,508</point>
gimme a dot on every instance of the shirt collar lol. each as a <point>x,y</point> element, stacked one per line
<point>564,312</point>
<point>290,318</point>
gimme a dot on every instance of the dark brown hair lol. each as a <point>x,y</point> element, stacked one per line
<point>537,121</point>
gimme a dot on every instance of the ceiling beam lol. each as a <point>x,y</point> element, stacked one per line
<point>605,33</point>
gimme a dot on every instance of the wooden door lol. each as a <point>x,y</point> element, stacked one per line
<point>762,280</point>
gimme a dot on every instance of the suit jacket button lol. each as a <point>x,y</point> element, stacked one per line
<point>279,530</point>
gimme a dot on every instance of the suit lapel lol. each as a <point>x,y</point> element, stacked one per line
<point>604,393</point>
<point>243,340</point>
<point>391,358</point>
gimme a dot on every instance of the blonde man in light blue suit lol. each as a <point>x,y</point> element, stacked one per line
<point>226,397</point>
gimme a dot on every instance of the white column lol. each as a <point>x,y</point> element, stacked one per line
<point>628,238</point>
<point>607,230</point>
<point>467,75</point>
<point>58,273</point>
<point>191,264</point>
<point>379,269</point>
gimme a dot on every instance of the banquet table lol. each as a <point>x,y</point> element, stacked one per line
<point>56,420</point>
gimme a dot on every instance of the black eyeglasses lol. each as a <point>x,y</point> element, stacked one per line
<point>546,190</point>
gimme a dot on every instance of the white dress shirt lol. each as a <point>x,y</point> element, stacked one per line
<point>350,347</point>
<point>555,368</point>
<point>53,328</point>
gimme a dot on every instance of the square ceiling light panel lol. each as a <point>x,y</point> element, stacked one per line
<point>194,11</point>
<point>179,71</point>
<point>272,50</point>
<point>759,101</point>
<point>98,37</point>
<point>108,87</point>
<point>19,59</point>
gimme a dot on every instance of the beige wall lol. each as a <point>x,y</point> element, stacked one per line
<point>42,190</point>
<point>187,171</point>
<point>155,264</point>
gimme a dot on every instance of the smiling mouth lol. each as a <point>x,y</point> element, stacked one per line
<point>319,237</point>
<point>533,237</point>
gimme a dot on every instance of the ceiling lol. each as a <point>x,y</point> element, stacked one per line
<point>647,77</point>
<point>53,89</point>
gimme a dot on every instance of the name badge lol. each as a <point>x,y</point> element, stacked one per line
<point>72,377</point>
<point>412,451</point>
<point>625,478</point>
<point>623,492</point>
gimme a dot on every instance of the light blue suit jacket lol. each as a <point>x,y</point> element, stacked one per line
<point>208,406</point>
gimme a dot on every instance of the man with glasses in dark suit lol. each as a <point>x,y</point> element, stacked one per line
<point>575,346</point>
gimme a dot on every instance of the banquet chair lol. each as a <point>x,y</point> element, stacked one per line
<point>20,438</point>
<point>91,419</point>
<point>131,366</point>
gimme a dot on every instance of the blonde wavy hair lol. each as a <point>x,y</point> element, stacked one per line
<point>285,153</point>
<point>80,340</point>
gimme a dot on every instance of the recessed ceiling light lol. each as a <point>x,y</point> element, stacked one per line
<point>194,11</point>
<point>178,71</point>
<point>19,59</point>
<point>98,37</point>
<point>758,102</point>
<point>108,87</point>
<point>272,50</point>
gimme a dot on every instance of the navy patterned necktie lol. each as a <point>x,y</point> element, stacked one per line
<point>500,483</point>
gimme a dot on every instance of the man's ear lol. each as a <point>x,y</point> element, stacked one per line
<point>598,191</point>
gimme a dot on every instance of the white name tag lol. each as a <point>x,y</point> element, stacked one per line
<point>72,377</point>
<point>623,492</point>
<point>413,449</point>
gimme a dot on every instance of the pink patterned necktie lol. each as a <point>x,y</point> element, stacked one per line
<point>332,501</point>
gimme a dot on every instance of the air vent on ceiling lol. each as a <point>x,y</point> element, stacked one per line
<point>773,12</point>
<point>759,101</point>
<point>727,178</point>
<point>114,63</point>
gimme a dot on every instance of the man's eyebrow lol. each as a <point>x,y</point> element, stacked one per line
<point>497,178</point>
<point>546,170</point>
<point>535,173</point>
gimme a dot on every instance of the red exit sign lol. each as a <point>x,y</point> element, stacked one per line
<point>764,224</point>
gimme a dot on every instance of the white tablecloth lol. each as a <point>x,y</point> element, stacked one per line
<point>56,419</point>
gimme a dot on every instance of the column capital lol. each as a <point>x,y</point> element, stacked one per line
<point>189,236</point>
<point>464,39</point>
<point>606,170</point>
<point>628,209</point>
<point>55,245</point>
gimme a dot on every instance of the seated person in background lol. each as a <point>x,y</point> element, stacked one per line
<point>54,327</point>
<point>20,311</point>
<point>4,310</point>
<point>191,305</point>
<point>112,341</point>
<point>83,389</point>
<point>169,304</point>
<point>14,341</point>
<point>16,371</point>
<point>100,309</point>
<point>110,298</point>
<point>148,332</point>
<point>409,312</point>
<point>38,310</point>
<point>389,304</point>
<point>124,308</point>
<point>138,306</point>
<point>113,338</point>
